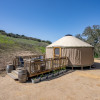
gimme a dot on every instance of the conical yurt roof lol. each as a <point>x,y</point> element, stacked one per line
<point>69,41</point>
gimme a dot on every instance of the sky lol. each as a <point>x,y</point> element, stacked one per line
<point>48,19</point>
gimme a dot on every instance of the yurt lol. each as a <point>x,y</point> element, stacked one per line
<point>78,52</point>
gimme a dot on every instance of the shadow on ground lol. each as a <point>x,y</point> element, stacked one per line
<point>97,65</point>
<point>67,72</point>
<point>55,77</point>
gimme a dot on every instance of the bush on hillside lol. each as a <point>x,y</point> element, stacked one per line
<point>23,36</point>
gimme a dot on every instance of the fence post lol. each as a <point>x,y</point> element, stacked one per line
<point>60,62</point>
<point>45,64</point>
<point>30,68</point>
<point>52,63</point>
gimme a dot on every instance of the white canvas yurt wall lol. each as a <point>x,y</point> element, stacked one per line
<point>79,53</point>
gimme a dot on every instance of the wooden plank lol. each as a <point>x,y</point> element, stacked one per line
<point>38,73</point>
<point>15,77</point>
<point>60,52</point>
<point>52,63</point>
<point>30,67</point>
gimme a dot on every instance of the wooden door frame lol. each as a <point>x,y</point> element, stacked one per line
<point>54,51</point>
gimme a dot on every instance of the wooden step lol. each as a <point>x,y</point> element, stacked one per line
<point>15,72</point>
<point>14,76</point>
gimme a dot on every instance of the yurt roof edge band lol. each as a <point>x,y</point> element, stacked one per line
<point>72,47</point>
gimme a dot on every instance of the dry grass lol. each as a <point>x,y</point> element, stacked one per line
<point>7,57</point>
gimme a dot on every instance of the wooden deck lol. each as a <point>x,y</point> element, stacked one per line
<point>35,66</point>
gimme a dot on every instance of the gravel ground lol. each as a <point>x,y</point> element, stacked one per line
<point>78,85</point>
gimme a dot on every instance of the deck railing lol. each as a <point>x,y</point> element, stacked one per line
<point>17,61</point>
<point>35,66</point>
<point>46,65</point>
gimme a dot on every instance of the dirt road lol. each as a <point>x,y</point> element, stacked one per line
<point>78,85</point>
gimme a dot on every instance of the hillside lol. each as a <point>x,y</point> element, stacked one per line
<point>10,47</point>
<point>10,43</point>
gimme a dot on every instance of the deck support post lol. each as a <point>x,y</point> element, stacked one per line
<point>72,68</point>
<point>90,67</point>
<point>52,63</point>
<point>81,67</point>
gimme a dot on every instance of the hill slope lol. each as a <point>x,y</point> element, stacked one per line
<point>10,47</point>
<point>10,43</point>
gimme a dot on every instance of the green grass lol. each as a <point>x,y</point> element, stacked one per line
<point>42,49</point>
<point>5,40</point>
<point>10,43</point>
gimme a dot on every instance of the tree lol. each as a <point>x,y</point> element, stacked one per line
<point>3,32</point>
<point>49,42</point>
<point>79,36</point>
<point>92,35</point>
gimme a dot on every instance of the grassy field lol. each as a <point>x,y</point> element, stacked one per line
<point>10,43</point>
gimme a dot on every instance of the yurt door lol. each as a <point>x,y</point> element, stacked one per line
<point>57,52</point>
